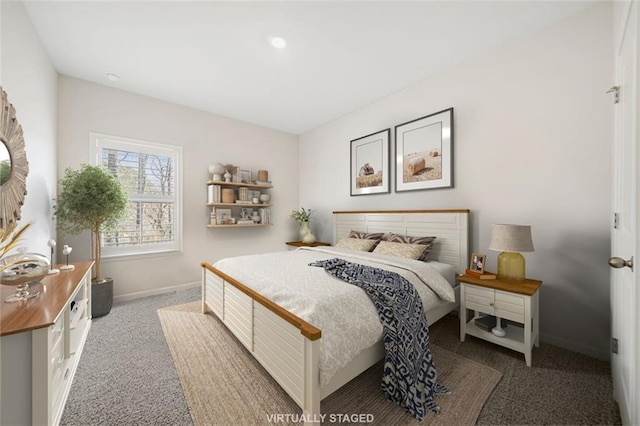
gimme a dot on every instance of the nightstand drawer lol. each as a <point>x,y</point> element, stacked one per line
<point>509,298</point>
<point>509,306</point>
<point>479,296</point>
<point>495,302</point>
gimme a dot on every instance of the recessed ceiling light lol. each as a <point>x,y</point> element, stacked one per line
<point>278,42</point>
<point>113,76</point>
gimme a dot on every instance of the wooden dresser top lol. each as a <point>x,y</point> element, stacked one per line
<point>43,310</point>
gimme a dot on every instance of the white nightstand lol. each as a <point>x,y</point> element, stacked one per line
<point>515,302</point>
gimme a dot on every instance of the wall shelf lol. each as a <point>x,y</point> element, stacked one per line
<point>240,225</point>
<point>239,184</point>
<point>238,205</point>
<point>234,191</point>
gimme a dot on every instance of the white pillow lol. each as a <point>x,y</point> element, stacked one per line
<point>412,251</point>
<point>359,244</point>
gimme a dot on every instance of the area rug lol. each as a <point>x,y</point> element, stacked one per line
<point>224,385</point>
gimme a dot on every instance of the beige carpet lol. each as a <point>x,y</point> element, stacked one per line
<point>224,385</point>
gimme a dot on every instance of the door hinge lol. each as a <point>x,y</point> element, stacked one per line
<point>614,345</point>
<point>616,220</point>
<point>616,93</point>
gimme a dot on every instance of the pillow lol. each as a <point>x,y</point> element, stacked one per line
<point>365,235</point>
<point>426,241</point>
<point>359,244</point>
<point>412,251</point>
<point>376,236</point>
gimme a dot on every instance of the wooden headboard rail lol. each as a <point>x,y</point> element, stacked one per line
<point>451,227</point>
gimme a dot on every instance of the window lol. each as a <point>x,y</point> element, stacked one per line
<point>151,173</point>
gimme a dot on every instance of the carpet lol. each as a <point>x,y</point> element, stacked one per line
<point>224,385</point>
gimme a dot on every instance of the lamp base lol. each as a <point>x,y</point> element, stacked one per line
<point>511,267</point>
<point>498,331</point>
<point>67,267</point>
<point>53,271</point>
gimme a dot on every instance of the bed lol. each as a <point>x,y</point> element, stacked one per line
<point>293,349</point>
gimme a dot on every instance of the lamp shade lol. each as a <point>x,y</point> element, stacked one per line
<point>513,238</point>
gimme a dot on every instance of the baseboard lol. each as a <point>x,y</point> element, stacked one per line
<point>155,291</point>
<point>575,347</point>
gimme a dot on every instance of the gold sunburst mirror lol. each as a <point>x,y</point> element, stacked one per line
<point>14,167</point>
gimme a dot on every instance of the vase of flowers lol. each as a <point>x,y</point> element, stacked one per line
<point>302,216</point>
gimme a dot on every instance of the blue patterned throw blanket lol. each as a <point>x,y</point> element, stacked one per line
<point>409,377</point>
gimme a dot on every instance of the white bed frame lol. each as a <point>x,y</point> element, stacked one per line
<point>287,346</point>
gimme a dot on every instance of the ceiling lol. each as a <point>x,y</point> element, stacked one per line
<point>340,56</point>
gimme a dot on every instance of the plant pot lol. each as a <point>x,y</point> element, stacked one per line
<point>101,297</point>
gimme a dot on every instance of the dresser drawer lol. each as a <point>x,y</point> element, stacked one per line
<point>59,373</point>
<point>56,331</point>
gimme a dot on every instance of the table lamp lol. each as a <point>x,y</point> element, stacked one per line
<point>510,240</point>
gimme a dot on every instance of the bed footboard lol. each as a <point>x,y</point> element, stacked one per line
<point>286,346</point>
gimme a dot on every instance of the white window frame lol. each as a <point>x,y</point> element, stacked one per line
<point>97,142</point>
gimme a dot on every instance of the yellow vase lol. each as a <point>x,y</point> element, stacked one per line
<point>511,267</point>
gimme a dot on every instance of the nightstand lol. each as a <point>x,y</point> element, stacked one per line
<point>514,302</point>
<point>302,244</point>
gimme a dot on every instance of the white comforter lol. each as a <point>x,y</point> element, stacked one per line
<point>347,318</point>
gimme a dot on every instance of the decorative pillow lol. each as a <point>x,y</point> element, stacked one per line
<point>412,251</point>
<point>365,235</point>
<point>426,241</point>
<point>359,244</point>
<point>376,236</point>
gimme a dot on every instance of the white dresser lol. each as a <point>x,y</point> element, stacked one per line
<point>40,346</point>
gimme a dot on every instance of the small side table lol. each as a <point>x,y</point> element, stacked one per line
<point>517,302</point>
<point>303,244</point>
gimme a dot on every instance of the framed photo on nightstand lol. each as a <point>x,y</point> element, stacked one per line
<point>477,262</point>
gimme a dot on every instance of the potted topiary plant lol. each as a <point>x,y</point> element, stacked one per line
<point>92,199</point>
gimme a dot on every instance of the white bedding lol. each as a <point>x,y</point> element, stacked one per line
<point>347,318</point>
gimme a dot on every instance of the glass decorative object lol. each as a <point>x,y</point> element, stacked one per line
<point>23,270</point>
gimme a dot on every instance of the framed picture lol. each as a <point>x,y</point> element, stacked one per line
<point>424,154</point>
<point>245,213</point>
<point>477,262</point>
<point>370,164</point>
<point>245,176</point>
<point>236,174</point>
<point>223,217</point>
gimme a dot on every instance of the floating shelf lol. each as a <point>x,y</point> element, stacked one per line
<point>239,184</point>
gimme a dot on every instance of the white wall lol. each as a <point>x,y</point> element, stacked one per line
<point>532,146</point>
<point>30,81</point>
<point>206,138</point>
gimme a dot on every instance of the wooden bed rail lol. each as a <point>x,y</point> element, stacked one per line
<point>307,330</point>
